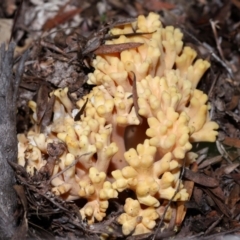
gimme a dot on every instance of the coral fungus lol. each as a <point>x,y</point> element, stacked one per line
<point>162,75</point>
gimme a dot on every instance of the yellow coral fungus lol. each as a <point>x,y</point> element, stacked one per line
<point>137,220</point>
<point>97,162</point>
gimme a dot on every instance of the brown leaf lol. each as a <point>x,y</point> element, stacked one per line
<point>218,193</point>
<point>201,223</point>
<point>236,177</point>
<point>236,211</point>
<point>21,194</point>
<point>116,48</point>
<point>236,3</point>
<point>188,185</point>
<point>233,142</point>
<point>48,112</point>
<point>47,169</point>
<point>173,222</point>
<point>60,39</point>
<point>42,99</point>
<point>223,12</point>
<point>156,5</point>
<point>213,225</point>
<point>222,207</point>
<point>197,195</point>
<point>200,178</point>
<point>122,21</point>
<point>210,161</point>
<point>233,103</point>
<point>92,44</point>
<point>234,196</point>
<point>22,229</point>
<point>60,18</point>
<point>181,212</point>
<point>231,167</point>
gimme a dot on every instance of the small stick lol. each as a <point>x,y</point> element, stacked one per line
<point>71,165</point>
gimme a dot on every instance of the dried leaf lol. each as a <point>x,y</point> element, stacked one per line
<point>16,18</point>
<point>174,219</point>
<point>42,99</point>
<point>201,200</point>
<point>231,167</point>
<point>5,30</point>
<point>236,3</point>
<point>156,5</point>
<point>48,112</point>
<point>197,195</point>
<point>221,205</point>
<point>236,177</point>
<point>236,210</point>
<point>79,114</point>
<point>188,185</point>
<point>214,224</point>
<point>233,103</point>
<point>210,162</point>
<point>92,44</point>
<point>201,223</point>
<point>234,196</point>
<point>218,193</point>
<point>122,21</point>
<point>181,212</point>
<point>60,39</point>
<point>200,178</point>
<point>21,194</point>
<point>47,169</point>
<point>116,48</point>
<point>223,12</point>
<point>22,229</point>
<point>233,142</point>
<point>60,18</point>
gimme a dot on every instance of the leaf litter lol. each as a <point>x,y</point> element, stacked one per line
<point>63,37</point>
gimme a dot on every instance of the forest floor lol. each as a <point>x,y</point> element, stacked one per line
<point>212,27</point>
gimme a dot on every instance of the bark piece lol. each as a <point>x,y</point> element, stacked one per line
<point>8,146</point>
